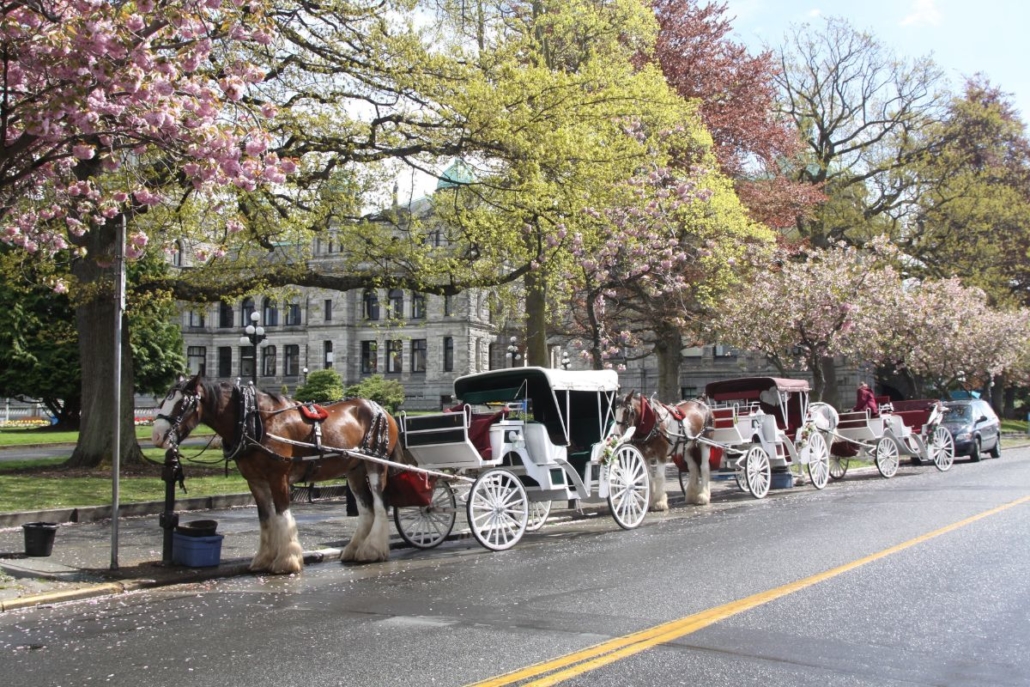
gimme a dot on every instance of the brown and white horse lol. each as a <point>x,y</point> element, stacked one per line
<point>661,432</point>
<point>273,442</point>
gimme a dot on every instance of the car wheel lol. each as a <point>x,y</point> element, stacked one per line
<point>996,451</point>
<point>974,453</point>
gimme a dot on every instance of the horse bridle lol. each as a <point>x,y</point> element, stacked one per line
<point>189,404</point>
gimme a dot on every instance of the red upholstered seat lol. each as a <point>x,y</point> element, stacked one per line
<point>479,431</point>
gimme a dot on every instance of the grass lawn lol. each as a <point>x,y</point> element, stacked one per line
<point>30,436</point>
<point>1014,426</point>
<point>42,483</point>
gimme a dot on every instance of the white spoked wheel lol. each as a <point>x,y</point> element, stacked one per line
<point>839,466</point>
<point>538,512</point>
<point>942,449</point>
<point>818,461</point>
<point>740,475</point>
<point>886,457</point>
<point>497,509</point>
<point>757,472</point>
<point>628,487</point>
<point>427,526</point>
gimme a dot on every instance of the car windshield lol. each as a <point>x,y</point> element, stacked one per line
<point>958,413</point>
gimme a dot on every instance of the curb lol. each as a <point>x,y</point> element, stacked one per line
<point>96,513</point>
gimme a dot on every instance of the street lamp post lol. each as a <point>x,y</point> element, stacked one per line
<point>305,371</point>
<point>513,352</point>
<point>565,362</point>
<point>255,335</point>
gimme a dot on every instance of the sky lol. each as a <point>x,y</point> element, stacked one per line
<point>963,37</point>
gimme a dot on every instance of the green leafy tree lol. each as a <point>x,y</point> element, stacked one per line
<point>388,393</point>
<point>321,386</point>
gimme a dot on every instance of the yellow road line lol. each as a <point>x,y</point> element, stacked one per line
<point>602,654</point>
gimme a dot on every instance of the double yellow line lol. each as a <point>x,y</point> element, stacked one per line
<point>568,666</point>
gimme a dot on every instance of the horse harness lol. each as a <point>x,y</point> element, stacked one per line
<point>651,424</point>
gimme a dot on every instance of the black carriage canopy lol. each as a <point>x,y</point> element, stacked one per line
<point>575,406</point>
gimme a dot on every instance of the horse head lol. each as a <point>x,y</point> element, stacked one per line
<point>627,410</point>
<point>179,413</point>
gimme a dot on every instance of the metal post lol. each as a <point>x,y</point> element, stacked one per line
<point>116,444</point>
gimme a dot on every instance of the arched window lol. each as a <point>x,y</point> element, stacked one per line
<point>418,305</point>
<point>396,297</point>
<point>271,313</point>
<point>225,316</point>
<point>177,254</point>
<point>268,361</point>
<point>370,305</point>
<point>246,310</point>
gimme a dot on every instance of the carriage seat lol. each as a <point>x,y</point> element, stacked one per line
<point>914,413</point>
<point>854,420</point>
<point>479,428</point>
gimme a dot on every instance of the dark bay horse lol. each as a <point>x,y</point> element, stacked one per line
<point>275,444</point>
<point>662,431</point>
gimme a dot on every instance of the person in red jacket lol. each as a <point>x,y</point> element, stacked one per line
<point>866,400</point>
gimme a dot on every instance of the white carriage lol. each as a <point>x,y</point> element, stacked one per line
<point>522,437</point>
<point>902,428</point>
<point>762,424</point>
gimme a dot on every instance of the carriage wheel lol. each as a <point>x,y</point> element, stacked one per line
<point>818,461</point>
<point>757,472</point>
<point>887,457</point>
<point>839,466</point>
<point>497,509</point>
<point>740,476</point>
<point>538,512</point>
<point>942,449</point>
<point>628,487</point>
<point>427,526</point>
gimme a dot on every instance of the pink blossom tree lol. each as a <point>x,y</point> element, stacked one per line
<point>941,335</point>
<point>109,110</point>
<point>801,308</point>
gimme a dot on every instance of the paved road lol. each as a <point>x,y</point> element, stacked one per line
<point>874,601</point>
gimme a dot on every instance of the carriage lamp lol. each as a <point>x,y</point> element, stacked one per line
<point>513,352</point>
<point>255,334</point>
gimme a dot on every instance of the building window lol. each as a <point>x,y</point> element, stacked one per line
<point>491,355</point>
<point>369,357</point>
<point>268,361</point>
<point>247,309</point>
<point>370,305</point>
<point>418,305</point>
<point>197,319</point>
<point>396,300</point>
<point>196,358</point>
<point>418,355</point>
<point>247,362</point>
<point>224,361</point>
<point>225,316</point>
<point>448,306</point>
<point>177,254</point>
<point>293,315</point>
<point>291,360</point>
<point>271,314</point>
<point>328,312</point>
<point>327,354</point>
<point>394,356</point>
<point>448,354</point>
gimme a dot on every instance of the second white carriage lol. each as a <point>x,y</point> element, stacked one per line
<point>522,437</point>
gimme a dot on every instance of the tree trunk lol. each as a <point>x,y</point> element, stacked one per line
<point>829,392</point>
<point>536,320</point>
<point>669,352</point>
<point>94,315</point>
<point>818,383</point>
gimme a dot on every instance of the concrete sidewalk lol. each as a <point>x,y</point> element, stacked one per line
<point>80,563</point>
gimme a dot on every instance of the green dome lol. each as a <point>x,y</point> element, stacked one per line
<point>457,174</point>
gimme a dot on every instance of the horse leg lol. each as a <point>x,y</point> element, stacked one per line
<point>283,542</point>
<point>699,485</point>
<point>358,484</point>
<point>376,546</point>
<point>658,499</point>
<point>265,507</point>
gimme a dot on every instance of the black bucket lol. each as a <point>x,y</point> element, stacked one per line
<point>197,528</point>
<point>39,538</point>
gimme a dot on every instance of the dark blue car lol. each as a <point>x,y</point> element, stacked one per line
<point>975,428</point>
